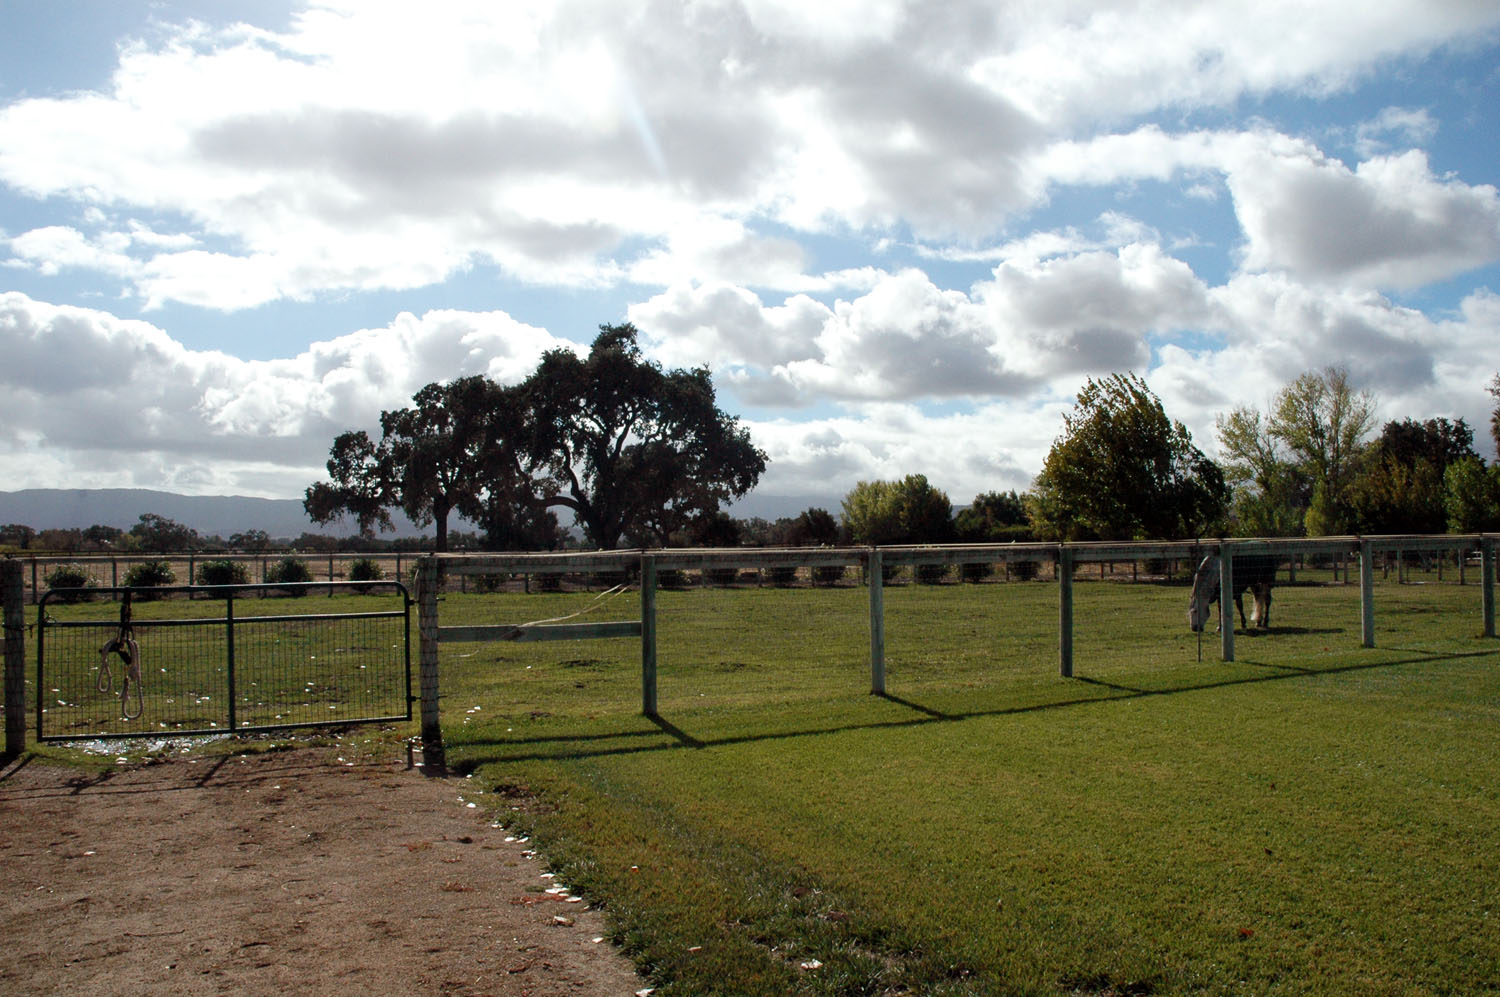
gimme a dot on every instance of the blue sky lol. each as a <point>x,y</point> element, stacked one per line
<point>902,235</point>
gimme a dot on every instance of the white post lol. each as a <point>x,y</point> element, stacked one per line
<point>1065,611</point>
<point>1487,559</point>
<point>877,623</point>
<point>1366,594</point>
<point>1226,602</point>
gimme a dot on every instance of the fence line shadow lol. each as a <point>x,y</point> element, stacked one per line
<point>478,753</point>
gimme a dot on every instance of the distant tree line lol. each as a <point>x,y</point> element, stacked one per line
<point>643,455</point>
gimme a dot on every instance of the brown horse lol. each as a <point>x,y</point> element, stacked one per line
<point>1256,572</point>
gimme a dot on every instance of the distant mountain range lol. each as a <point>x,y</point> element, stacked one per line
<point>225,515</point>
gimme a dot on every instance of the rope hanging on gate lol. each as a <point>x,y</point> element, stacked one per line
<point>598,601</point>
<point>129,651</point>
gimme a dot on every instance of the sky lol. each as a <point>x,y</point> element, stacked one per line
<point>902,235</point>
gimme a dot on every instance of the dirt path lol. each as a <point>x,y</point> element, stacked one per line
<point>283,871</point>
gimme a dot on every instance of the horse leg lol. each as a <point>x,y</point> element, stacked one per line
<point>1265,616</point>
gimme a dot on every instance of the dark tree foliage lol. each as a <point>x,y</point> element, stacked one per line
<point>453,450</point>
<point>1122,470</point>
<point>1401,489</point>
<point>993,517</point>
<point>812,527</point>
<point>359,485</point>
<point>158,533</point>
<point>629,447</point>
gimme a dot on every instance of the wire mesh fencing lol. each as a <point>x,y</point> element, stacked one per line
<point>209,660</point>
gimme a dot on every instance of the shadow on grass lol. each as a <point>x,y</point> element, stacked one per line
<point>665,735</point>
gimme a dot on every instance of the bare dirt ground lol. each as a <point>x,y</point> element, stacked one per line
<point>290,870</point>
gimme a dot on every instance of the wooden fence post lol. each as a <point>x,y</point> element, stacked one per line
<point>876,574</point>
<point>13,585</point>
<point>1064,572</point>
<point>1226,602</point>
<point>427,677</point>
<point>648,635</point>
<point>1366,594</point>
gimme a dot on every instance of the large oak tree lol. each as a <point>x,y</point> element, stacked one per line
<point>632,449</point>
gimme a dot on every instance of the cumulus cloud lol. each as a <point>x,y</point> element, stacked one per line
<point>119,399</point>
<point>583,143</point>
<point>1387,223</point>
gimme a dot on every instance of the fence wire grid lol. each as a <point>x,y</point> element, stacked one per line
<point>203,668</point>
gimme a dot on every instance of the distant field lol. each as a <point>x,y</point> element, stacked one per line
<point>1313,818</point>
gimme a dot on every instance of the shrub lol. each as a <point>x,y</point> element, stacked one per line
<point>289,570</point>
<point>487,584</point>
<point>671,578</point>
<point>783,575</point>
<point>828,574</point>
<point>932,574</point>
<point>70,576</point>
<point>722,577</point>
<point>976,571</point>
<point>150,574</point>
<point>366,569</point>
<point>1024,571</point>
<point>222,573</point>
<point>547,581</point>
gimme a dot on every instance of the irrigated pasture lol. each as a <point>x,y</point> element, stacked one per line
<point>1313,818</point>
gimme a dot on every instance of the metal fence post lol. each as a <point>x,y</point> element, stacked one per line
<point>648,635</point>
<point>12,585</point>
<point>427,661</point>
<point>1366,594</point>
<point>876,572</point>
<point>1226,602</point>
<point>1064,573</point>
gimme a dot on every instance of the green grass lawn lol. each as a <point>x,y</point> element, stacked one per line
<point>1314,818</point>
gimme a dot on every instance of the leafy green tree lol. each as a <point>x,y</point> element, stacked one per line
<point>103,536</point>
<point>1471,496</point>
<point>1270,492</point>
<point>1322,421</point>
<point>1401,487</point>
<point>250,540</point>
<point>1121,470</point>
<point>629,447</point>
<point>360,485</point>
<point>909,511</point>
<point>993,517</point>
<point>158,533</point>
<point>452,450</point>
<point>16,535</point>
<point>812,527</point>
<point>1494,390</point>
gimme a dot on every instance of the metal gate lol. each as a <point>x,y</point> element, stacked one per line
<point>137,662</point>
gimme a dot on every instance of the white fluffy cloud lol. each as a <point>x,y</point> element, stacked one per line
<point>381,146</point>
<point>120,402</point>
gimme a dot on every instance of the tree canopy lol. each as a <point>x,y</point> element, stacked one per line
<point>1121,470</point>
<point>629,448</point>
<point>909,511</point>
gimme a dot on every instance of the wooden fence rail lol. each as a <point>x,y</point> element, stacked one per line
<point>875,561</point>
